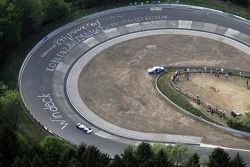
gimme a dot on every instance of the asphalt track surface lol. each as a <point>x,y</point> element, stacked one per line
<point>43,76</point>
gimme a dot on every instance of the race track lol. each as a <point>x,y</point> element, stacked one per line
<point>47,78</point>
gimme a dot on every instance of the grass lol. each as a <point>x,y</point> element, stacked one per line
<point>30,128</point>
<point>11,66</point>
<point>177,98</point>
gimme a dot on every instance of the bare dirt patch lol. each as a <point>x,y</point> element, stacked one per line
<point>228,94</point>
<point>115,84</point>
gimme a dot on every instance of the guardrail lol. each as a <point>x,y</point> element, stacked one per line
<point>228,130</point>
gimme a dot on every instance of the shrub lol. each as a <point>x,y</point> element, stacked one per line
<point>241,122</point>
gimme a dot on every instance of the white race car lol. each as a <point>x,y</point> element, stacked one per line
<point>156,70</point>
<point>84,128</point>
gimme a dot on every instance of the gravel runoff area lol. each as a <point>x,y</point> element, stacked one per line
<point>115,84</point>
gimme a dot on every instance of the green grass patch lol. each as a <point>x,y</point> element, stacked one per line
<point>13,114</point>
<point>30,128</point>
<point>178,98</point>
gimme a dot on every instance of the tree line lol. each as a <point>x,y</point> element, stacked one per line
<point>17,151</point>
<point>244,3</point>
<point>53,152</point>
<point>20,18</point>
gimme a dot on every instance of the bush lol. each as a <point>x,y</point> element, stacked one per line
<point>53,149</point>
<point>240,122</point>
<point>10,106</point>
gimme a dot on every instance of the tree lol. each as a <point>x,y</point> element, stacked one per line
<point>104,160</point>
<point>244,3</point>
<point>8,146</point>
<point>129,158</point>
<point>94,3</point>
<point>67,156</point>
<point>117,162</point>
<point>20,162</point>
<point>3,88</point>
<point>79,156</point>
<point>10,25</point>
<point>156,147</point>
<point>193,161</point>
<point>30,14</point>
<point>93,157</point>
<point>219,158</point>
<point>55,9</point>
<point>37,160</point>
<point>74,163</point>
<point>204,160</point>
<point>10,104</point>
<point>237,161</point>
<point>53,148</point>
<point>179,154</point>
<point>144,155</point>
<point>161,159</point>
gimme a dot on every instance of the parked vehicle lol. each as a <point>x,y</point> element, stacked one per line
<point>235,113</point>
